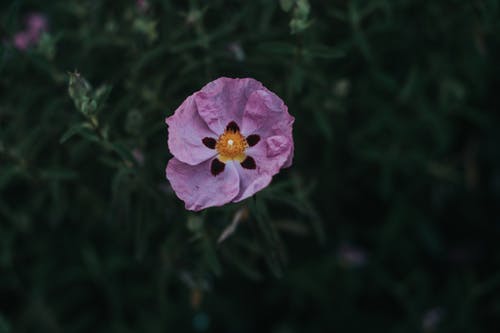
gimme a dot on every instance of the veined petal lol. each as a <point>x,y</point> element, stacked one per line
<point>223,100</point>
<point>199,188</point>
<point>269,156</point>
<point>265,114</point>
<point>289,160</point>
<point>186,133</point>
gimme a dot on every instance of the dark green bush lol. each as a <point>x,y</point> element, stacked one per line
<point>388,220</point>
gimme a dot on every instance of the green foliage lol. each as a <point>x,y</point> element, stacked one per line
<point>387,221</point>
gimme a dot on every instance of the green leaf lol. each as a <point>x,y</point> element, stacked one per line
<point>194,224</point>
<point>8,173</point>
<point>324,52</point>
<point>280,48</point>
<point>287,5</point>
<point>78,87</point>
<point>91,261</point>
<point>274,254</point>
<point>122,151</point>
<point>323,123</point>
<point>83,129</point>
<point>101,95</point>
<point>241,264</point>
<point>4,325</point>
<point>210,255</point>
<point>58,174</point>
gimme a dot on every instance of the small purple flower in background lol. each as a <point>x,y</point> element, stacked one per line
<point>228,140</point>
<point>142,5</point>
<point>138,156</point>
<point>236,51</point>
<point>35,25</point>
<point>351,256</point>
<point>21,40</point>
<point>431,319</point>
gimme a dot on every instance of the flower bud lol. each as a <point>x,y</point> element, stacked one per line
<point>79,89</point>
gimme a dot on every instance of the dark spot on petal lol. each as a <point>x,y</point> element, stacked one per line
<point>209,142</point>
<point>248,163</point>
<point>233,127</point>
<point>253,139</point>
<point>217,167</point>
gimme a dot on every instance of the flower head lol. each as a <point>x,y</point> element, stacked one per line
<point>142,5</point>
<point>35,25</point>
<point>432,318</point>
<point>351,256</point>
<point>228,140</point>
<point>22,40</point>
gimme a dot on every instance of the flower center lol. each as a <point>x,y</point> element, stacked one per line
<point>231,145</point>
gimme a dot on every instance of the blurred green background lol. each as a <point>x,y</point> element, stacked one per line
<point>388,220</point>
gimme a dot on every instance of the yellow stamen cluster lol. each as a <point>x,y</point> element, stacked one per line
<point>231,145</point>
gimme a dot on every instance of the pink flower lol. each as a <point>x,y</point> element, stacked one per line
<point>36,24</point>
<point>22,40</point>
<point>142,5</point>
<point>138,155</point>
<point>228,140</point>
<point>351,256</point>
<point>432,318</point>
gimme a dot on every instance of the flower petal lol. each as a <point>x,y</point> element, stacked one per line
<point>289,160</point>
<point>223,100</point>
<point>198,188</point>
<point>186,133</point>
<point>269,156</point>
<point>266,115</point>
